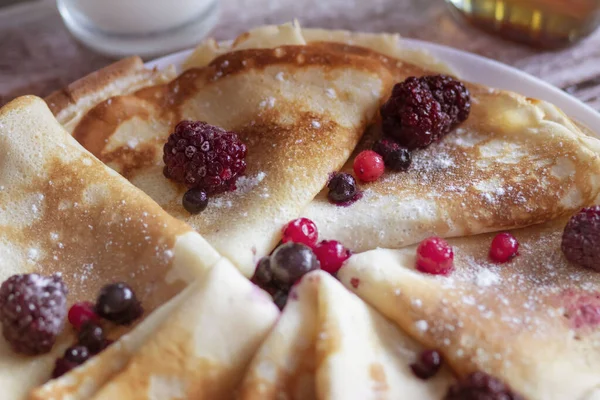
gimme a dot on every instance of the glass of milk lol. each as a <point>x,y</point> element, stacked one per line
<point>147,28</point>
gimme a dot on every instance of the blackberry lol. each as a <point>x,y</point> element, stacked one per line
<point>581,238</point>
<point>421,111</point>
<point>480,386</point>
<point>452,95</point>
<point>290,262</point>
<point>117,303</point>
<point>204,156</point>
<point>395,157</point>
<point>195,201</point>
<point>342,188</point>
<point>32,311</point>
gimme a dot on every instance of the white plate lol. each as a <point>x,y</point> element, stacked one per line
<point>478,69</point>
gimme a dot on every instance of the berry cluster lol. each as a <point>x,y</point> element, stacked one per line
<point>299,254</point>
<point>206,158</point>
<point>420,111</point>
<point>116,303</point>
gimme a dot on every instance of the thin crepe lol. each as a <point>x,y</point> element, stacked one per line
<point>328,344</point>
<point>532,322</point>
<point>515,162</point>
<point>202,350</point>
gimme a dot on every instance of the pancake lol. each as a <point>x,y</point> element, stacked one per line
<point>84,381</point>
<point>278,103</point>
<point>63,211</point>
<point>290,34</point>
<point>515,162</point>
<point>328,344</point>
<point>532,322</point>
<point>123,77</point>
<point>202,350</point>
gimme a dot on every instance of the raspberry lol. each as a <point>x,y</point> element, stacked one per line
<point>203,156</point>
<point>504,247</point>
<point>79,313</point>
<point>301,230</point>
<point>453,96</point>
<point>480,386</point>
<point>368,166</point>
<point>117,303</point>
<point>428,364</point>
<point>32,311</point>
<point>342,188</point>
<point>581,238</point>
<point>331,255</point>
<point>290,261</point>
<point>435,256</point>
<point>395,157</point>
<point>195,201</point>
<point>421,111</point>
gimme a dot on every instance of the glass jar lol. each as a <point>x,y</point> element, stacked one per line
<point>142,27</point>
<point>541,23</point>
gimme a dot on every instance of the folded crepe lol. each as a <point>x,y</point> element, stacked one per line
<point>63,211</point>
<point>514,162</point>
<point>300,110</point>
<point>533,322</point>
<point>190,347</point>
<point>328,344</point>
<point>203,348</point>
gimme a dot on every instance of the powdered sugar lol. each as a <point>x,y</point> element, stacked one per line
<point>486,277</point>
<point>244,184</point>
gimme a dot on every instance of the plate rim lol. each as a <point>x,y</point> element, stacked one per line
<point>474,68</point>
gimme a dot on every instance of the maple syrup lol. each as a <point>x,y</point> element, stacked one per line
<point>541,23</point>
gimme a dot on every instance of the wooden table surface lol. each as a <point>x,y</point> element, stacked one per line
<point>37,54</point>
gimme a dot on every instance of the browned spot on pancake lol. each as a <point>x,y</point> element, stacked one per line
<point>97,126</point>
<point>120,235</point>
<point>129,160</point>
<point>377,375</point>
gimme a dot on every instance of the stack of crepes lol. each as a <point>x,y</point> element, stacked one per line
<point>83,193</point>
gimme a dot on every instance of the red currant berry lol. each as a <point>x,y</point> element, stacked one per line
<point>79,313</point>
<point>504,248</point>
<point>368,166</point>
<point>301,230</point>
<point>331,255</point>
<point>435,256</point>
